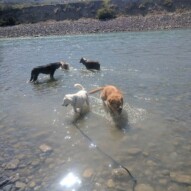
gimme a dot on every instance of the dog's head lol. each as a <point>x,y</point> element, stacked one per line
<point>67,100</point>
<point>82,60</point>
<point>115,104</point>
<point>64,65</point>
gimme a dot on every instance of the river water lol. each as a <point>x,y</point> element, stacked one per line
<point>151,138</point>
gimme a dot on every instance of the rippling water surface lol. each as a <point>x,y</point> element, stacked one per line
<point>151,139</point>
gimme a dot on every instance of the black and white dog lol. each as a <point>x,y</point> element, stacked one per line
<point>89,64</point>
<point>47,69</point>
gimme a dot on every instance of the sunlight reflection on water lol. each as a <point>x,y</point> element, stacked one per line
<point>70,181</point>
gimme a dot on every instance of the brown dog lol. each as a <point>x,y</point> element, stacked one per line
<point>111,97</point>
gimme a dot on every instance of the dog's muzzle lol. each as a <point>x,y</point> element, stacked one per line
<point>120,110</point>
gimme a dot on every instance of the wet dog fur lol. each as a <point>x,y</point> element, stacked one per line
<point>112,98</point>
<point>47,69</point>
<point>89,64</point>
<point>77,100</point>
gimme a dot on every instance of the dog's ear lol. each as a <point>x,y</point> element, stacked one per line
<point>68,98</point>
<point>111,101</point>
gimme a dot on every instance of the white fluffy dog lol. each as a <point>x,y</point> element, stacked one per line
<point>78,99</point>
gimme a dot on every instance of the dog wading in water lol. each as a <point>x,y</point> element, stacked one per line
<point>47,69</point>
<point>77,100</point>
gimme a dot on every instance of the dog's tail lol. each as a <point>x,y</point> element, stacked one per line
<point>79,86</point>
<point>95,90</point>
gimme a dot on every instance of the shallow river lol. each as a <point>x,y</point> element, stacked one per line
<point>151,138</point>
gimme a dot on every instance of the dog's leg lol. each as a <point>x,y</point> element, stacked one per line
<point>32,77</point>
<point>35,76</point>
<point>74,105</point>
<point>75,110</point>
<point>52,74</point>
<point>87,100</point>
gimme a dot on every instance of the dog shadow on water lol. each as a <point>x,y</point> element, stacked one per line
<point>121,121</point>
<point>46,83</point>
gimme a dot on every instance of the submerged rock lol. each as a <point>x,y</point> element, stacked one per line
<point>134,151</point>
<point>143,187</point>
<point>45,148</point>
<point>32,184</point>
<point>88,173</point>
<point>119,173</point>
<point>110,183</point>
<point>20,185</point>
<point>3,181</point>
<point>180,177</point>
<point>12,165</point>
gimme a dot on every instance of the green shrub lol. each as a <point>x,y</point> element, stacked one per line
<point>8,21</point>
<point>106,14</point>
<point>168,3</point>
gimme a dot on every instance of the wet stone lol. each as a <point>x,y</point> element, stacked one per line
<point>145,154</point>
<point>49,160</point>
<point>151,163</point>
<point>35,162</point>
<point>143,187</point>
<point>165,172</point>
<point>179,177</point>
<point>110,183</point>
<point>15,177</point>
<point>163,181</point>
<point>32,184</point>
<point>88,173</point>
<point>2,126</point>
<point>174,187</point>
<point>20,185</point>
<point>119,173</point>
<point>3,180</point>
<point>7,187</point>
<point>134,151</point>
<point>45,148</point>
<point>12,165</point>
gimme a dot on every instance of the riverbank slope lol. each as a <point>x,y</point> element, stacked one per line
<point>84,26</point>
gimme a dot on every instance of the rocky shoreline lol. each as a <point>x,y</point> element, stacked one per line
<point>85,26</point>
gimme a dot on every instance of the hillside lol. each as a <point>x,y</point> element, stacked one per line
<point>38,11</point>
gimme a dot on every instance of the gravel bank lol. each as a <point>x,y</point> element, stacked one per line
<point>84,26</point>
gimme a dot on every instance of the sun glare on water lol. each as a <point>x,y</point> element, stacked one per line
<point>70,181</point>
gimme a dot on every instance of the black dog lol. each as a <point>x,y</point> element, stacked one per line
<point>45,69</point>
<point>89,64</point>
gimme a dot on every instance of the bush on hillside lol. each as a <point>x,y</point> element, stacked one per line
<point>106,13</point>
<point>8,22</point>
